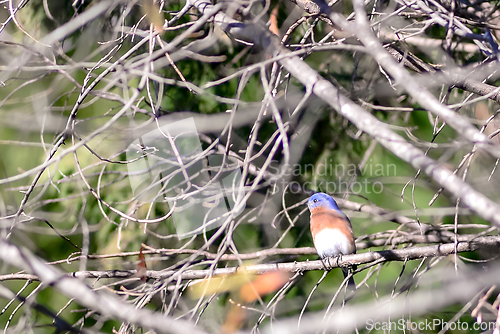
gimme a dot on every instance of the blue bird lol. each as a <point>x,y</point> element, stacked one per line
<point>331,230</point>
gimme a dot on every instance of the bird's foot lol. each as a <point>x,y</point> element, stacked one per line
<point>339,258</point>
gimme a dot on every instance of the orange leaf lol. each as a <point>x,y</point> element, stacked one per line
<point>264,284</point>
<point>141,266</point>
<point>273,27</point>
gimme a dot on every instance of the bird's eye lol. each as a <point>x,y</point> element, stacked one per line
<point>315,200</point>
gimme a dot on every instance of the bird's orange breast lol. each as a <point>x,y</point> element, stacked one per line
<point>324,218</point>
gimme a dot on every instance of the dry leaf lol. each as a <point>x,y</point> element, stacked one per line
<point>234,319</point>
<point>153,14</point>
<point>141,267</point>
<point>263,285</point>
<point>220,284</point>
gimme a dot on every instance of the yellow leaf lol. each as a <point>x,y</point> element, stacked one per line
<point>220,284</point>
<point>153,14</point>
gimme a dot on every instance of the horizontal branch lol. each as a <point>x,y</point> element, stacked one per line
<point>372,241</point>
<point>104,303</point>
<point>412,253</point>
<point>406,254</point>
<point>448,287</point>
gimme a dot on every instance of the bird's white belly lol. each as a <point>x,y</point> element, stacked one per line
<point>331,242</point>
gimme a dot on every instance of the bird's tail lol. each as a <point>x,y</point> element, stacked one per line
<point>351,285</point>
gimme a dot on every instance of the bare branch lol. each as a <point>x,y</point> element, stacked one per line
<point>405,254</point>
<point>104,303</point>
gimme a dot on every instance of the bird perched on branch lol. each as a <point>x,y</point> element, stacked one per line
<point>331,230</point>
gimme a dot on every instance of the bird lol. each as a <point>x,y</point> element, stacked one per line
<point>331,230</point>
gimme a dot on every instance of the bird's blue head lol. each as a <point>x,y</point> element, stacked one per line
<point>322,200</point>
